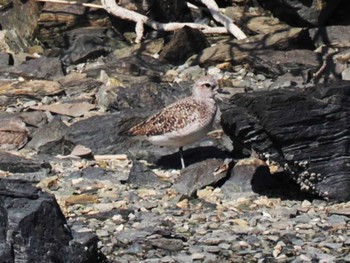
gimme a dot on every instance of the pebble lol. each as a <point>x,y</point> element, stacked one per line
<point>134,225</point>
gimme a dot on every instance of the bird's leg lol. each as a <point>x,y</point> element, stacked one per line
<point>182,158</point>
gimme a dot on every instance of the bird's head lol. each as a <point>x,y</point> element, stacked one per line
<point>205,87</point>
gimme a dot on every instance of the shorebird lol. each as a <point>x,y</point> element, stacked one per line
<point>184,121</point>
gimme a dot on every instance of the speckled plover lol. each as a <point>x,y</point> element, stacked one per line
<point>184,121</point>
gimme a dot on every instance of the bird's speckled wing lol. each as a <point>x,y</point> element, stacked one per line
<point>172,118</point>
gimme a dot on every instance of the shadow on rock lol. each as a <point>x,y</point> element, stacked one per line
<point>252,176</point>
<point>192,156</point>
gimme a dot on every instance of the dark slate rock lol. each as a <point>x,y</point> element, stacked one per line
<point>243,174</point>
<point>49,139</point>
<point>274,63</point>
<point>88,43</point>
<point>55,20</point>
<point>101,135</point>
<point>21,19</point>
<point>35,118</point>
<point>17,164</point>
<point>77,84</point>
<point>137,65</point>
<point>185,43</point>
<point>142,176</point>
<point>33,228</point>
<point>168,11</point>
<point>170,244</point>
<point>250,176</point>
<point>199,175</point>
<point>93,175</point>
<point>305,130</point>
<point>58,147</point>
<point>39,68</point>
<point>32,119</point>
<point>301,13</point>
<point>340,15</point>
<point>6,60</point>
<point>330,35</point>
<point>195,153</point>
<point>150,95</point>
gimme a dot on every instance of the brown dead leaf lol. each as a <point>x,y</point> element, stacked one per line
<point>13,134</point>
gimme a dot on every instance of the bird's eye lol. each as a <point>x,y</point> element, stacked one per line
<point>207,85</point>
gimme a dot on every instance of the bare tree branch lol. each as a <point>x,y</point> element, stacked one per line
<point>111,7</point>
<point>71,3</point>
<point>222,19</point>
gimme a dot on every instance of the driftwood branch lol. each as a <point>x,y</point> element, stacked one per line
<point>224,20</point>
<point>111,7</point>
<point>71,3</point>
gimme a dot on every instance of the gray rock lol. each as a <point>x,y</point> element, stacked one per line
<point>34,118</point>
<point>304,219</point>
<point>38,232</point>
<point>276,63</point>
<point>89,43</point>
<point>49,139</point>
<point>241,177</point>
<point>346,74</point>
<point>330,35</point>
<point>41,68</point>
<point>171,11</point>
<point>6,60</point>
<point>141,65</point>
<point>142,176</point>
<point>269,124</point>
<point>19,19</point>
<point>298,13</point>
<point>172,244</point>
<point>199,175</point>
<point>17,164</point>
<point>185,42</point>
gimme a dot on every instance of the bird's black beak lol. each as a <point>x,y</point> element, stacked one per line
<point>222,91</point>
<point>219,88</point>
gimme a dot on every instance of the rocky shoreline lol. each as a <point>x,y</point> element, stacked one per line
<point>156,224</point>
<point>270,183</point>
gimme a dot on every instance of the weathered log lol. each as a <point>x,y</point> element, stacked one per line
<point>306,131</point>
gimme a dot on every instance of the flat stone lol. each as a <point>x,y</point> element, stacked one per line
<point>69,109</point>
<point>197,176</point>
<point>40,68</point>
<point>140,176</point>
<point>168,244</point>
<point>17,164</point>
<point>33,89</point>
